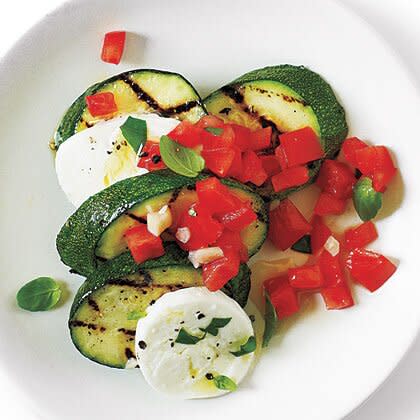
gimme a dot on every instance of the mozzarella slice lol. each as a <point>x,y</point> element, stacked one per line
<point>188,370</point>
<point>99,156</point>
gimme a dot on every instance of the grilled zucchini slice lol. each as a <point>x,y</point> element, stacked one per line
<point>286,98</point>
<point>103,316</point>
<point>155,91</point>
<point>94,233</point>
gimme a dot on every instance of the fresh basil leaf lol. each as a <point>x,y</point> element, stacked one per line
<point>270,321</point>
<point>135,315</point>
<point>180,159</point>
<point>224,383</point>
<point>303,245</point>
<point>134,131</point>
<point>214,130</point>
<point>185,337</point>
<point>40,294</point>
<point>367,201</point>
<point>215,324</point>
<point>248,347</point>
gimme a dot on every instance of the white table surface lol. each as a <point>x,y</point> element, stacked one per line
<point>398,22</point>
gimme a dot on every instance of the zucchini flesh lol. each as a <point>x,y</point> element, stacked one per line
<point>286,98</point>
<point>94,231</point>
<point>99,320</point>
<point>143,91</point>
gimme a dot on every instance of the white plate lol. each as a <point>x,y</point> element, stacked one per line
<point>326,363</point>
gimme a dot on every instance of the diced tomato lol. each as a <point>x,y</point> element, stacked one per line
<point>291,177</point>
<point>270,164</point>
<point>287,225</point>
<point>219,161</point>
<point>215,196</point>
<point>283,297</point>
<point>252,169</point>
<point>233,240</point>
<point>360,236</point>
<point>242,136</point>
<point>260,139</point>
<point>376,162</point>
<point>235,170</point>
<point>142,244</point>
<point>369,269</point>
<point>281,157</point>
<point>349,148</point>
<point>150,157</point>
<point>320,233</point>
<point>113,47</point>
<point>336,178</point>
<point>203,228</point>
<point>328,204</point>
<point>187,134</point>
<point>211,141</point>
<point>301,146</point>
<point>217,273</point>
<point>210,121</point>
<point>101,104</point>
<point>306,277</point>
<point>239,218</point>
<point>336,293</point>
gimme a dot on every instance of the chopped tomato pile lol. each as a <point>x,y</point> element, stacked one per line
<point>209,229</point>
<point>231,150</point>
<point>333,261</point>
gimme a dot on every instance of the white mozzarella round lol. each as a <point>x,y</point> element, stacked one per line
<point>98,156</point>
<point>188,370</point>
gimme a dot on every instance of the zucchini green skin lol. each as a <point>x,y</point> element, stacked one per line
<point>99,324</point>
<point>77,239</point>
<point>315,92</point>
<point>189,107</point>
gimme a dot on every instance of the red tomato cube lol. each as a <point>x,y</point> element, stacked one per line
<point>142,244</point>
<point>369,269</point>
<point>283,297</point>
<point>252,169</point>
<point>113,47</point>
<point>232,240</point>
<point>301,146</point>
<point>186,134</point>
<point>287,225</point>
<point>336,178</point>
<point>320,233</point>
<point>101,104</point>
<point>219,161</point>
<point>214,196</point>
<point>306,277</point>
<point>291,177</point>
<point>349,148</point>
<point>270,164</point>
<point>360,236</point>
<point>329,204</point>
<point>150,157</point>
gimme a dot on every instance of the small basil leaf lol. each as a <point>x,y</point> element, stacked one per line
<point>367,201</point>
<point>185,337</point>
<point>303,245</point>
<point>270,321</point>
<point>134,131</point>
<point>40,294</point>
<point>224,383</point>
<point>214,130</point>
<point>215,324</point>
<point>248,347</point>
<point>180,159</point>
<point>135,315</point>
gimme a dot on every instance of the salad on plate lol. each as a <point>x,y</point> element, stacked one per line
<point>186,230</point>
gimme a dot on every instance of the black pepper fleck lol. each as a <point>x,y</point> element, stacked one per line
<point>252,318</point>
<point>209,376</point>
<point>142,344</point>
<point>201,316</point>
<point>156,159</point>
<point>172,344</point>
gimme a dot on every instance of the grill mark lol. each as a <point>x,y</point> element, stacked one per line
<point>129,354</point>
<point>94,305</point>
<point>125,282</point>
<point>78,323</point>
<point>141,94</point>
<point>175,195</point>
<point>233,94</point>
<point>225,111</point>
<point>144,96</point>
<point>131,333</point>
<point>179,109</point>
<point>136,218</point>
